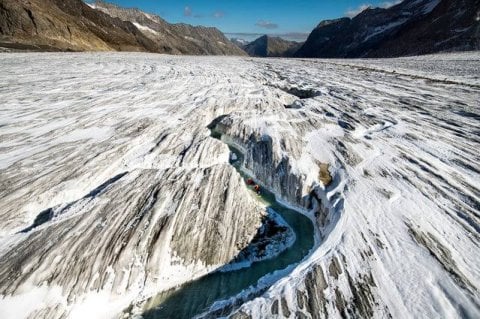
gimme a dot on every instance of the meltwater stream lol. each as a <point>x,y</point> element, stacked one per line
<point>197,296</point>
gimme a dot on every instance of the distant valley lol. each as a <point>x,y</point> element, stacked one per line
<point>412,27</point>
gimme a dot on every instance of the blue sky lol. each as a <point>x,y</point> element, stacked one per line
<point>292,19</point>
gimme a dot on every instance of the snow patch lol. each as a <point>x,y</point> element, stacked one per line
<point>144,28</point>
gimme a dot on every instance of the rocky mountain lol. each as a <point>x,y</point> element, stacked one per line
<point>174,38</point>
<point>454,25</point>
<point>267,46</point>
<point>72,25</point>
<point>67,25</point>
<point>410,28</point>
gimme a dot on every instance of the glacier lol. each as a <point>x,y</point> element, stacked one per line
<point>112,189</point>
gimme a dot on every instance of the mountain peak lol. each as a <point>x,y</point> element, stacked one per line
<point>268,46</point>
<point>411,27</point>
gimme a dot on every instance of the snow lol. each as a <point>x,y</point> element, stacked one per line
<point>29,300</point>
<point>151,17</point>
<point>386,216</point>
<point>417,8</point>
<point>241,41</point>
<point>381,29</point>
<point>98,305</point>
<point>144,28</point>
<point>430,5</point>
<point>399,135</point>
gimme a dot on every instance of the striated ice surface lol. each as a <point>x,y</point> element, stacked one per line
<point>112,190</point>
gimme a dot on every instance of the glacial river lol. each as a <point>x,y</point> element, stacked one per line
<point>197,296</point>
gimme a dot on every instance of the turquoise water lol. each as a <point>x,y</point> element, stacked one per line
<point>197,296</point>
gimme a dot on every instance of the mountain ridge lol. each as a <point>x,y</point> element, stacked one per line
<point>69,25</point>
<point>175,38</point>
<point>73,25</point>
<point>411,27</point>
<point>268,46</point>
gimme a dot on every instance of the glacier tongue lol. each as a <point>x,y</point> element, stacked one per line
<point>112,189</point>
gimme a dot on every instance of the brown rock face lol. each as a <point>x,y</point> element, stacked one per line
<point>72,25</point>
<point>174,38</point>
<point>67,25</point>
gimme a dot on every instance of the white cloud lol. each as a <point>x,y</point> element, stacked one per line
<point>353,12</point>
<point>218,14</point>
<point>266,24</point>
<point>187,11</point>
<point>291,36</point>
<point>385,4</point>
<point>388,4</point>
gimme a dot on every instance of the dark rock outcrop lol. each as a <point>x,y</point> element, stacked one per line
<point>412,27</point>
<point>454,25</point>
<point>267,46</point>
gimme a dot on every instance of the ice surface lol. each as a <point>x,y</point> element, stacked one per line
<point>117,146</point>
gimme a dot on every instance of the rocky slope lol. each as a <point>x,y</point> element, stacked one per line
<point>67,25</point>
<point>174,38</point>
<point>451,26</point>
<point>117,192</point>
<point>410,28</point>
<point>267,46</point>
<point>72,25</point>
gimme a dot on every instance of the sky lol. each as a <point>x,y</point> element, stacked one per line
<point>249,19</point>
